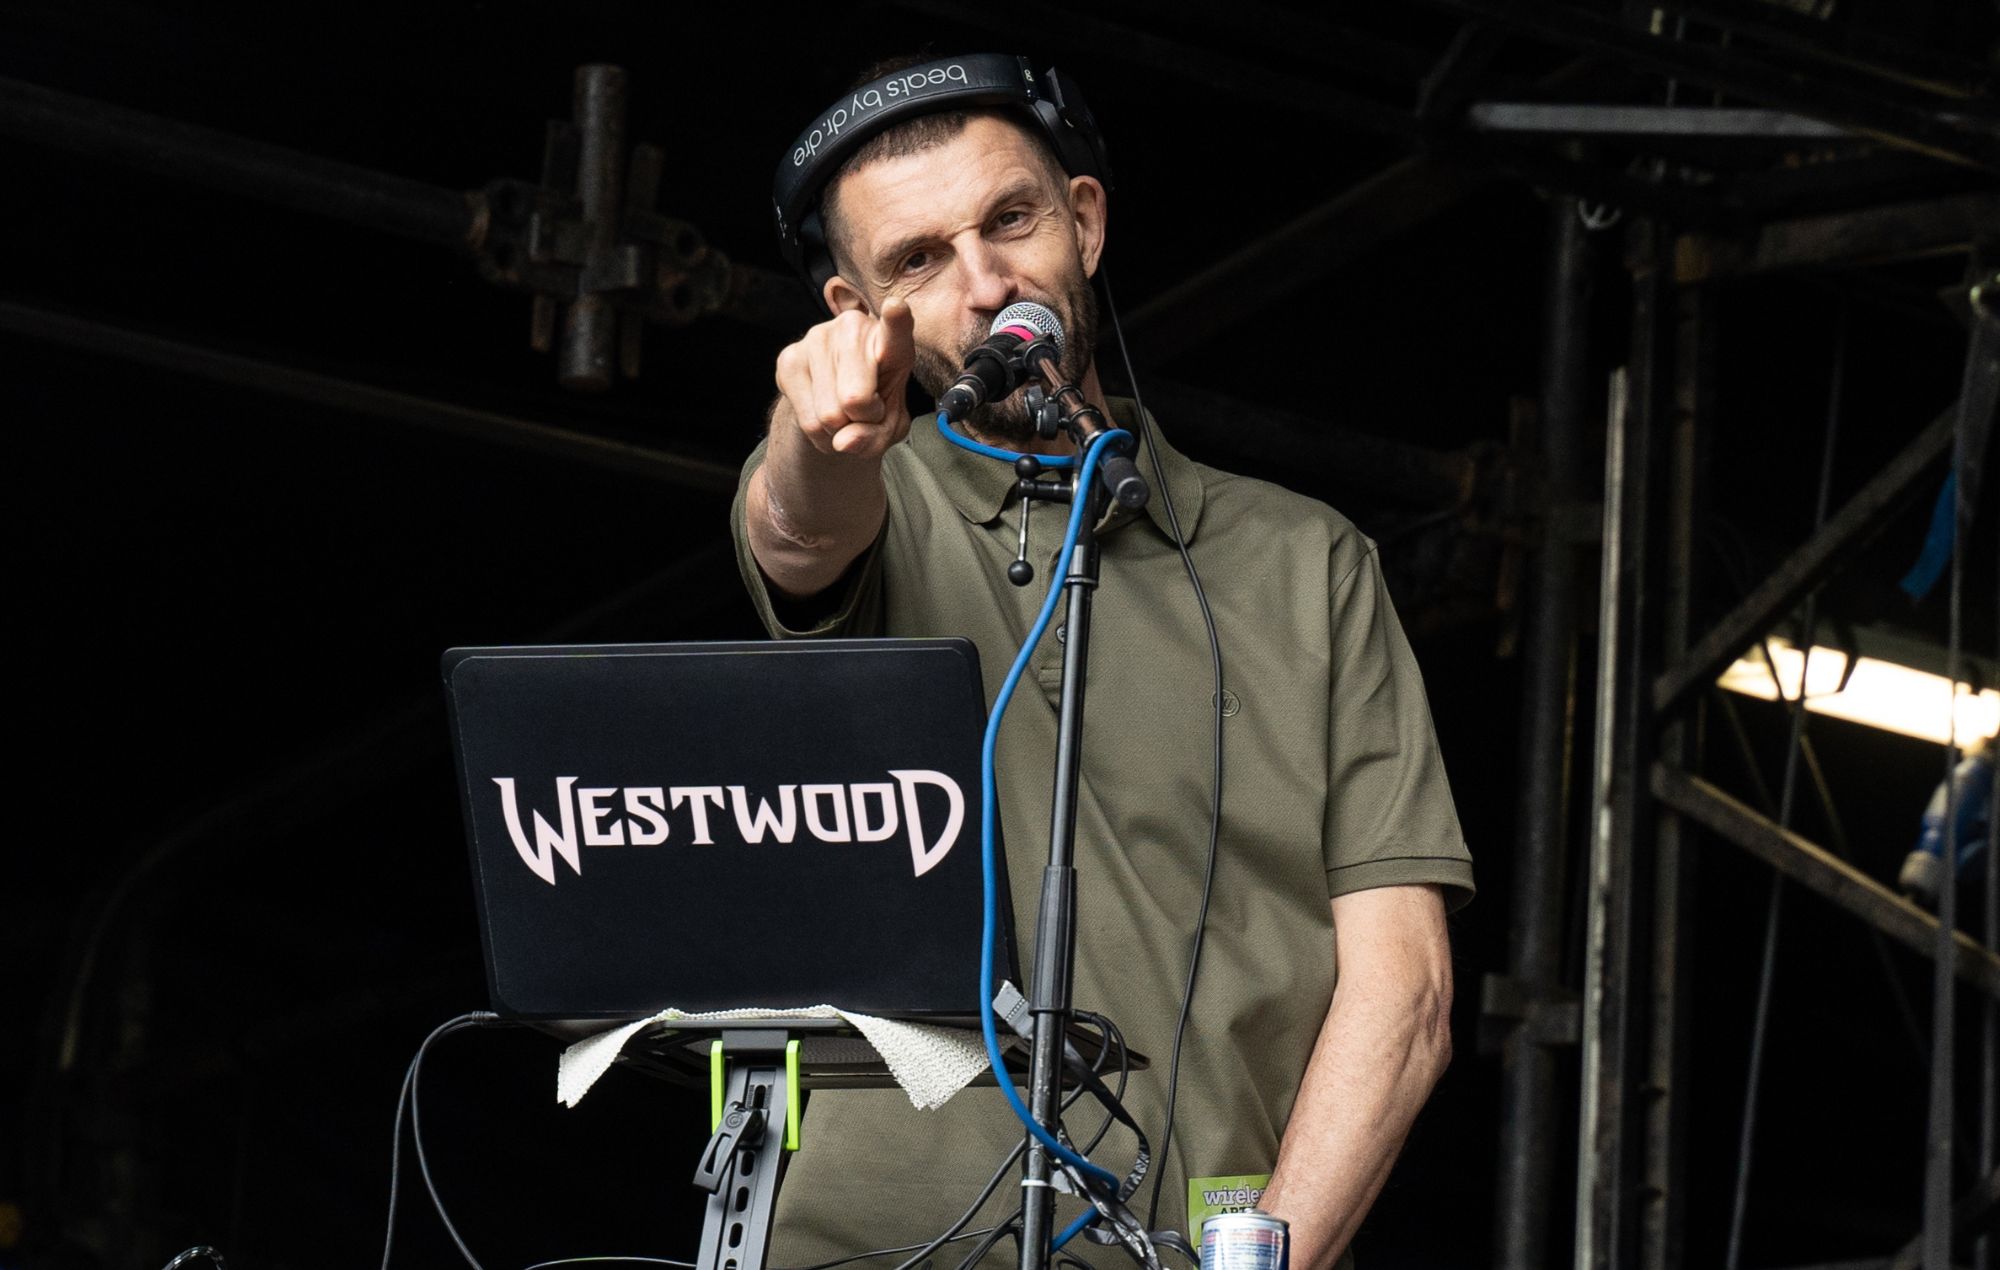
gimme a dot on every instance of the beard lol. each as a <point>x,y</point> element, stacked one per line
<point>1006,421</point>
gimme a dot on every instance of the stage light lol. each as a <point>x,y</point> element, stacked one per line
<point>1871,690</point>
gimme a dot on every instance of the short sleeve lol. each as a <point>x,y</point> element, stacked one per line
<point>1390,820</point>
<point>852,607</point>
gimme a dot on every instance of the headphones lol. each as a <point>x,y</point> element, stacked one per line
<point>1051,101</point>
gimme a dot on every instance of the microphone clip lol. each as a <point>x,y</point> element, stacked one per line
<point>1046,415</point>
<point>997,368</point>
<point>1084,422</point>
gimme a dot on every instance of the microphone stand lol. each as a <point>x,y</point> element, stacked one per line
<point>1055,926</point>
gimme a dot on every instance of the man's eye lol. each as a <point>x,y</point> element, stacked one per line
<point>1008,220</point>
<point>914,261</point>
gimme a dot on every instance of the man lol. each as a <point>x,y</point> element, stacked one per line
<point>1339,847</point>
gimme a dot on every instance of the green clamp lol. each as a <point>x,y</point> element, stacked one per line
<point>718,1082</point>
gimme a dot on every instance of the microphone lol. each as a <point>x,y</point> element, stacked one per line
<point>1022,335</point>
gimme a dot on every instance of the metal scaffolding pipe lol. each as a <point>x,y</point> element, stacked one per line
<point>236,165</point>
<point>590,322</point>
<point>1857,522</point>
<point>1528,1108</point>
<point>508,431</point>
<point>1951,136</point>
<point>1664,1111</point>
<point>1613,1010</point>
<point>1871,235</point>
<point>1823,873</point>
<point>1894,61</point>
<point>1401,470</point>
<point>1973,1212</point>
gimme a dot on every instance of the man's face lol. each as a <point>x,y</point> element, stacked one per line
<point>961,231</point>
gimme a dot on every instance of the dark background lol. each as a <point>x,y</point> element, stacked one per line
<point>232,784</point>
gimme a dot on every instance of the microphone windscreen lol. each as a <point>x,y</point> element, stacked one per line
<point>1038,318</point>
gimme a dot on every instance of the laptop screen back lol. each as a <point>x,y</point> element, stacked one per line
<point>711,826</point>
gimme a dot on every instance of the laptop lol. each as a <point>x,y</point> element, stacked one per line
<point>716,826</point>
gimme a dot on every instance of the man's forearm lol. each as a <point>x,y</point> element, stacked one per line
<point>1379,1053</point>
<point>809,514</point>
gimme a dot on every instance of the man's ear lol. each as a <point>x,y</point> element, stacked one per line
<point>1087,212</point>
<point>841,296</point>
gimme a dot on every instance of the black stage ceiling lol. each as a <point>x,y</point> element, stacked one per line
<point>270,462</point>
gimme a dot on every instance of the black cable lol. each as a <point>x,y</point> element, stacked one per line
<point>1112,1036</point>
<point>1172,1239</point>
<point>1215,798</point>
<point>929,1247</point>
<point>411,1078</point>
<point>396,1164</point>
<point>965,1218</point>
<point>993,1236</point>
<point>1114,1106</point>
<point>1767,802</point>
<point>1731,556</point>
<point>996,1233</point>
<point>1774,906</point>
<point>823,1265</point>
<point>1107,1029</point>
<point>423,1160</point>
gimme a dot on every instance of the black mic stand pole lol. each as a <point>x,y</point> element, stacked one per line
<point>1055,926</point>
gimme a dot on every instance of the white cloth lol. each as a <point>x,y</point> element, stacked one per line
<point>931,1063</point>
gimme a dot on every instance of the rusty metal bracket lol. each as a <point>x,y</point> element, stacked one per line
<point>588,242</point>
<point>1548,1014</point>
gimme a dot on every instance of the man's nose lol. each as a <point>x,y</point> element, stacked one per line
<point>989,281</point>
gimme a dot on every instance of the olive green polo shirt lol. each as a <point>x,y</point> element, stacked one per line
<point>1332,784</point>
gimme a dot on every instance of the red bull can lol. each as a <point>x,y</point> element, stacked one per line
<point>1246,1241</point>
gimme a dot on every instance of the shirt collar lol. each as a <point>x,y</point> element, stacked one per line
<point>981,488</point>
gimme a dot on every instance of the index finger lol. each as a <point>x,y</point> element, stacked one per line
<point>894,346</point>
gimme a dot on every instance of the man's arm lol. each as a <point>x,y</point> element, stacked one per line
<point>1385,1042</point>
<point>818,500</point>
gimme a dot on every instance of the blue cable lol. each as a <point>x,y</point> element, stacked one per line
<point>989,801</point>
<point>1069,1232</point>
<point>964,442</point>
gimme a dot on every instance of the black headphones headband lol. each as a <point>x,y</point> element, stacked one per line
<point>953,83</point>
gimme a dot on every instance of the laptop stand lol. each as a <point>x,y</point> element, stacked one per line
<point>756,1120</point>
